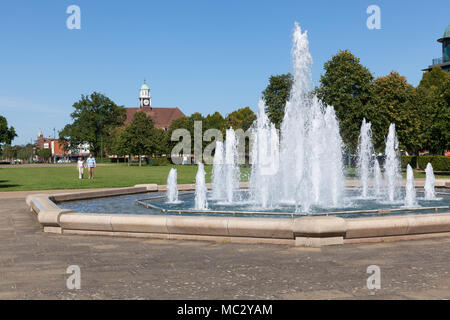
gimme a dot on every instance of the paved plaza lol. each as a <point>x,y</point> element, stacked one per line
<point>33,266</point>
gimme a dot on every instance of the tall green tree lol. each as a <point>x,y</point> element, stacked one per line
<point>396,102</point>
<point>214,121</point>
<point>179,123</point>
<point>9,152</point>
<point>160,141</point>
<point>434,90</point>
<point>276,95</point>
<point>45,154</point>
<point>94,118</point>
<point>434,79</point>
<point>7,134</point>
<point>241,119</point>
<point>137,138</point>
<point>115,144</point>
<point>348,87</point>
<point>25,152</point>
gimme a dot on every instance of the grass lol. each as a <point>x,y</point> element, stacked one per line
<point>119,175</point>
<point>351,173</point>
<point>113,176</point>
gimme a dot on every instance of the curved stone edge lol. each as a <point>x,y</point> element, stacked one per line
<point>180,225</point>
<point>305,231</point>
<point>48,213</point>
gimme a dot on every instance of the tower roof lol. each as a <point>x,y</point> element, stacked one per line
<point>446,34</point>
<point>145,87</point>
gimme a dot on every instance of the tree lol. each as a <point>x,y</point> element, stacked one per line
<point>179,123</point>
<point>434,90</point>
<point>160,141</point>
<point>114,144</point>
<point>137,136</point>
<point>396,102</point>
<point>9,152</point>
<point>439,132</point>
<point>214,121</point>
<point>241,119</point>
<point>7,135</point>
<point>94,118</point>
<point>45,154</point>
<point>434,78</point>
<point>348,87</point>
<point>276,95</point>
<point>25,152</point>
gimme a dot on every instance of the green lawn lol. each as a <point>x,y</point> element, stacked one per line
<point>119,175</point>
<point>48,178</point>
<point>351,173</point>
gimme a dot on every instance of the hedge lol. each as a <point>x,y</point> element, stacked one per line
<point>439,163</point>
<point>162,161</point>
<point>411,160</point>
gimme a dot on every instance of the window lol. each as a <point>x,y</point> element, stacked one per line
<point>446,50</point>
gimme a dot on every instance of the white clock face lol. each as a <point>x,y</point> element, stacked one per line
<point>146,102</point>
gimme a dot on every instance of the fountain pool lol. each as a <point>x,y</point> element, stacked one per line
<point>157,204</point>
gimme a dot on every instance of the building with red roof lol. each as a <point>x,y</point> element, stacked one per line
<point>162,117</point>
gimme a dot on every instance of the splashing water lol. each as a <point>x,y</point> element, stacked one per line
<point>365,161</point>
<point>430,193</point>
<point>300,166</point>
<point>232,172</point>
<point>410,197</point>
<point>310,152</point>
<point>201,202</point>
<point>377,179</point>
<point>392,165</point>
<point>265,160</point>
<point>218,173</point>
<point>172,188</point>
<point>310,141</point>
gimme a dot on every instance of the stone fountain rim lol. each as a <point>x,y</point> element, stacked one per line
<point>302,231</point>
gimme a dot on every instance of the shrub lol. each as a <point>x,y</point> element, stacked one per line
<point>45,153</point>
<point>162,161</point>
<point>439,163</point>
<point>411,160</point>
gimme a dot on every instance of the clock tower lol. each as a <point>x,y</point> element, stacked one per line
<point>144,96</point>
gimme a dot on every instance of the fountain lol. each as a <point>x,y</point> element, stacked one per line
<point>172,188</point>
<point>201,202</point>
<point>295,173</point>
<point>310,152</point>
<point>392,165</point>
<point>410,197</point>
<point>377,179</point>
<point>265,160</point>
<point>232,172</point>
<point>429,183</point>
<point>299,168</point>
<point>334,187</point>
<point>218,173</point>
<point>365,152</point>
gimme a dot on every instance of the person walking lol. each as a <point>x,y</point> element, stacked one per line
<point>91,165</point>
<point>80,165</point>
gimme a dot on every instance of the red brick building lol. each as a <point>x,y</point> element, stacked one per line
<point>56,147</point>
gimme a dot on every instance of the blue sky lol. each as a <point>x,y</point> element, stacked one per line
<point>198,55</point>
